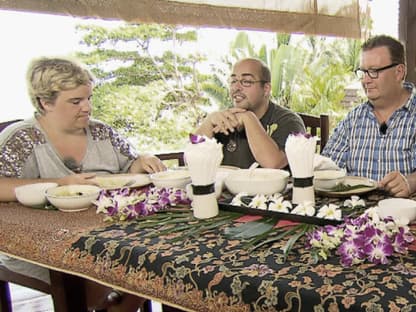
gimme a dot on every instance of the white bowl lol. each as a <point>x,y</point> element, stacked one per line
<point>222,173</point>
<point>171,178</point>
<point>71,198</point>
<point>400,209</point>
<point>257,181</point>
<point>33,195</point>
<point>327,179</point>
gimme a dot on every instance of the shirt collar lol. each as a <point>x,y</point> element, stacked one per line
<point>411,102</point>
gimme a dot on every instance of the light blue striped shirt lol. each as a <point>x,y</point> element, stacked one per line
<point>358,145</point>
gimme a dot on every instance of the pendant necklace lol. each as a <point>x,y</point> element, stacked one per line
<point>232,143</point>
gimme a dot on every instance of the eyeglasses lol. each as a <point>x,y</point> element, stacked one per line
<point>247,83</point>
<point>372,72</point>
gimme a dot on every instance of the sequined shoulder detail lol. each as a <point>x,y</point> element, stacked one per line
<point>101,131</point>
<point>17,148</point>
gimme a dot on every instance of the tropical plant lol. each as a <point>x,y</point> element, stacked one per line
<point>148,89</point>
<point>308,75</point>
<point>283,61</point>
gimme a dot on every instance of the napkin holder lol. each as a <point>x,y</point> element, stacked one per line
<point>300,151</point>
<point>303,190</point>
<point>204,201</point>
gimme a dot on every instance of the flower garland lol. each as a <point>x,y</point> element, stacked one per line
<point>277,203</point>
<point>127,204</point>
<point>367,237</point>
<point>364,238</point>
<point>356,240</point>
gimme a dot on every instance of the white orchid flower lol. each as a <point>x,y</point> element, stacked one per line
<point>373,214</point>
<point>330,211</point>
<point>259,201</point>
<point>236,201</point>
<point>354,202</point>
<point>103,203</point>
<point>280,205</point>
<point>305,209</point>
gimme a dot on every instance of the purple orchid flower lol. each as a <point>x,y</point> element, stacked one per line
<point>363,238</point>
<point>195,139</point>
<point>304,134</point>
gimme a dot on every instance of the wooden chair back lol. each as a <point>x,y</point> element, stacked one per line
<point>4,124</point>
<point>7,276</point>
<point>317,126</point>
<point>61,297</point>
<point>19,279</point>
<point>178,156</point>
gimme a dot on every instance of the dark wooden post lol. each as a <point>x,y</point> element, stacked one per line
<point>68,292</point>
<point>407,34</point>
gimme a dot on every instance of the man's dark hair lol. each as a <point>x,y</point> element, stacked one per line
<point>265,72</point>
<point>395,47</point>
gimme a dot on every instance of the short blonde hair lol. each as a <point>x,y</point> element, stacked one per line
<point>46,77</point>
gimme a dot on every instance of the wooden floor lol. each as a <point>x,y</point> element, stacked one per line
<point>28,300</point>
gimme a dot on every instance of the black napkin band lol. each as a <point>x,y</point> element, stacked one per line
<point>302,182</point>
<point>203,189</point>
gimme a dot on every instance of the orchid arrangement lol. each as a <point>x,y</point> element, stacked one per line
<point>362,236</point>
<point>127,204</point>
<point>277,203</point>
<point>366,237</point>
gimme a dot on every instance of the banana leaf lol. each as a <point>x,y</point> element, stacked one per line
<point>251,229</point>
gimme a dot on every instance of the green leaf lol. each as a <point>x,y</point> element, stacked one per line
<point>251,229</point>
<point>273,239</point>
<point>303,228</point>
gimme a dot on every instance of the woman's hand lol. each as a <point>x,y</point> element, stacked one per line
<point>80,178</point>
<point>147,163</point>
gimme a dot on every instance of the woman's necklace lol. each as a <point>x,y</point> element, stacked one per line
<point>232,143</point>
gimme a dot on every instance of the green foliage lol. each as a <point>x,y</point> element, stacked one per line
<point>135,110</point>
<point>285,64</point>
<point>146,89</point>
<point>322,89</point>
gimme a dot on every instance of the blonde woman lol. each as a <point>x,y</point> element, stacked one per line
<point>61,143</point>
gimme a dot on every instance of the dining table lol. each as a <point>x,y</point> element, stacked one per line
<point>208,270</point>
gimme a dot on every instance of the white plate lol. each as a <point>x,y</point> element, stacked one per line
<point>74,210</point>
<point>368,186</point>
<point>116,181</point>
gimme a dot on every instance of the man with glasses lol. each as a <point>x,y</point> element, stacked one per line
<point>254,129</point>
<point>377,139</point>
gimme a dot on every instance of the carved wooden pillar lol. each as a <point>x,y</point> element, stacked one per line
<point>407,34</point>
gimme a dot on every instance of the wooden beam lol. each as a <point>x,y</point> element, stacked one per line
<point>407,34</point>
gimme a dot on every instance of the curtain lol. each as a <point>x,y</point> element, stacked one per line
<point>314,17</point>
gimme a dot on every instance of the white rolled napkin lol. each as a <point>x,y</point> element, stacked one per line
<point>203,156</point>
<point>300,151</point>
<point>324,163</point>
